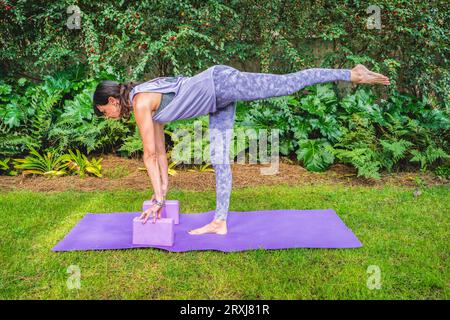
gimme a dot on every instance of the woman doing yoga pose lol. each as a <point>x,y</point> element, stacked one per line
<point>214,91</point>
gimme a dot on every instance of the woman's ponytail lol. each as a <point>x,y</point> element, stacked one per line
<point>124,93</point>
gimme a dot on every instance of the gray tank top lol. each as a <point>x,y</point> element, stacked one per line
<point>167,97</point>
<point>165,100</point>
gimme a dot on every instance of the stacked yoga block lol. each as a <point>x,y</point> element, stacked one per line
<point>160,233</point>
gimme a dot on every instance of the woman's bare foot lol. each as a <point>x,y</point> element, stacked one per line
<point>360,74</point>
<point>216,226</point>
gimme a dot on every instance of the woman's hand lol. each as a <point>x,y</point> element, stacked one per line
<point>154,211</point>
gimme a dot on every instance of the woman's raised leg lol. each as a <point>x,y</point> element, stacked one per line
<point>235,85</point>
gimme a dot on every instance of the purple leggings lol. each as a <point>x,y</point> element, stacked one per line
<point>232,85</point>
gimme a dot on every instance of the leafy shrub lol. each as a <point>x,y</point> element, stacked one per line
<point>47,164</point>
<point>315,154</point>
<point>442,172</point>
<point>5,167</point>
<point>132,144</point>
<point>370,134</point>
<point>168,37</point>
<point>50,71</point>
<point>430,155</point>
<point>50,164</point>
<point>80,164</point>
<point>56,114</point>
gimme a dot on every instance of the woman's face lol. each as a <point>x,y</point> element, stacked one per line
<point>112,109</point>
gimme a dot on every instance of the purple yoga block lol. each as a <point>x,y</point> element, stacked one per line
<point>171,209</point>
<point>160,233</point>
<point>147,204</point>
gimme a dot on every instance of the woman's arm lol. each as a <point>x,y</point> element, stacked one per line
<point>142,105</point>
<point>162,156</point>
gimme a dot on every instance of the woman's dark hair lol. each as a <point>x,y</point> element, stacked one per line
<point>121,91</point>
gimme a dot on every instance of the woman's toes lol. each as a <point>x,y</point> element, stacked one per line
<point>209,228</point>
<point>198,230</point>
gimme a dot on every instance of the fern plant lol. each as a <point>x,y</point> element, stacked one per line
<point>392,152</point>
<point>76,127</point>
<point>443,171</point>
<point>428,156</point>
<point>365,160</point>
<point>42,101</point>
<point>358,146</point>
<point>132,144</point>
<point>15,142</point>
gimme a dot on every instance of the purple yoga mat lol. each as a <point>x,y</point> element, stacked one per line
<point>267,229</point>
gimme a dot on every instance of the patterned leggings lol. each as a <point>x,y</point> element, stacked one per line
<point>232,85</point>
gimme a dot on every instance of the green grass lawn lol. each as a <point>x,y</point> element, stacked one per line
<point>406,237</point>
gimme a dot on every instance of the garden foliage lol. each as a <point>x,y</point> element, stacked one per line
<point>48,73</point>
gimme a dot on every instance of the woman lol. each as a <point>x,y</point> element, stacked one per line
<point>214,91</point>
